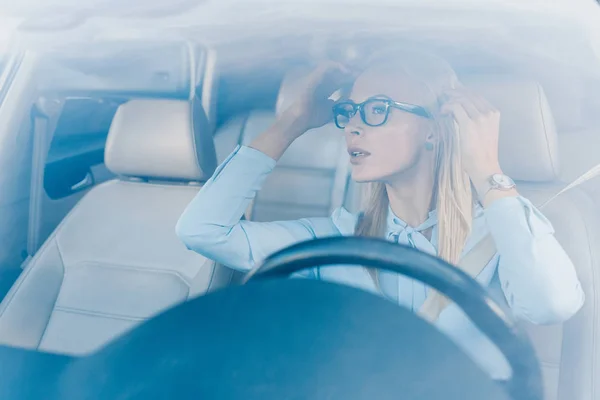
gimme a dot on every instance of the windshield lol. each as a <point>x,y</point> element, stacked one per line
<point>164,150</point>
<point>7,31</point>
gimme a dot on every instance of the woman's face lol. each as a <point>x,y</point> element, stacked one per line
<point>385,153</point>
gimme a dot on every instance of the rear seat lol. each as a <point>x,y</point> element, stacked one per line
<point>115,260</point>
<point>310,179</point>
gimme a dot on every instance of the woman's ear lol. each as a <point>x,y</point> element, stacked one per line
<point>430,141</point>
<point>432,135</point>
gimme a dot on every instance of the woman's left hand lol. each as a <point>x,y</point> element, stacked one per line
<point>479,124</point>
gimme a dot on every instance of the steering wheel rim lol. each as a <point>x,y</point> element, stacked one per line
<point>525,381</point>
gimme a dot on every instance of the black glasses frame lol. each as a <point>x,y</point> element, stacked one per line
<point>360,107</point>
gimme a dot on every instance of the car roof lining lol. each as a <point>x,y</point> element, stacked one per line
<point>567,64</point>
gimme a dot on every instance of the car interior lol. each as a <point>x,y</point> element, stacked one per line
<point>101,158</point>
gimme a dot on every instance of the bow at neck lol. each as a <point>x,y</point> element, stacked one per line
<point>400,232</point>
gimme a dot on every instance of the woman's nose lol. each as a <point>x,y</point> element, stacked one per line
<point>352,131</point>
<point>353,128</point>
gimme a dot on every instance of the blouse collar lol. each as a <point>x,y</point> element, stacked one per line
<point>395,223</point>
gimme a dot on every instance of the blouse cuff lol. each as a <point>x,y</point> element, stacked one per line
<point>250,160</point>
<point>233,185</point>
<point>515,215</point>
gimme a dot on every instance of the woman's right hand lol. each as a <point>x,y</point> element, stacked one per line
<point>313,108</point>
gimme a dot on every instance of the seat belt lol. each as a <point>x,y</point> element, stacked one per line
<point>471,263</point>
<point>481,254</point>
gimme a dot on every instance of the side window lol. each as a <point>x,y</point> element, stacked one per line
<point>77,146</point>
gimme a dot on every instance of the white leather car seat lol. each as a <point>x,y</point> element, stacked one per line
<point>310,179</point>
<point>529,152</point>
<point>115,260</point>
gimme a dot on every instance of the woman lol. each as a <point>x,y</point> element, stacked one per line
<point>429,150</point>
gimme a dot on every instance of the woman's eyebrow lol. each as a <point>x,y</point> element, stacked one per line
<point>375,97</point>
<point>380,96</point>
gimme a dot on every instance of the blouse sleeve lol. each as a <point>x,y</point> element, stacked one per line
<point>536,275</point>
<point>211,224</point>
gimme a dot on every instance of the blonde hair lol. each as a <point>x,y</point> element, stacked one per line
<point>452,192</point>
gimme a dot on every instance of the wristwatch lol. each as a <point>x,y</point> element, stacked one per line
<point>497,182</point>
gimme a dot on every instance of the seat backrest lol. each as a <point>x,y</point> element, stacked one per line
<point>115,259</point>
<point>311,177</point>
<point>529,151</point>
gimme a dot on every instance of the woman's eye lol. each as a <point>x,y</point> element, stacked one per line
<point>346,113</point>
<point>378,110</point>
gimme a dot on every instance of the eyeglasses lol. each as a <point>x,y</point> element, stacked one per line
<point>373,111</point>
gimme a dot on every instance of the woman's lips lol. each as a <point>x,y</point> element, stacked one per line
<point>357,154</point>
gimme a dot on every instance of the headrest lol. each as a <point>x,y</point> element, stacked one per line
<point>161,139</point>
<point>528,136</point>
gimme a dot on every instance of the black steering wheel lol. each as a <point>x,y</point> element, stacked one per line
<point>525,382</point>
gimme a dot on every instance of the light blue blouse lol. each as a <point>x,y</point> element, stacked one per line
<point>536,275</point>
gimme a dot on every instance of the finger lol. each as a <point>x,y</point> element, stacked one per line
<point>457,111</point>
<point>329,68</point>
<point>489,107</point>
<point>331,80</point>
<point>342,93</point>
<point>486,109</point>
<point>478,101</point>
<point>335,64</point>
<point>468,106</point>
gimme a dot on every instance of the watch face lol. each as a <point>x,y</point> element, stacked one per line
<point>503,181</point>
